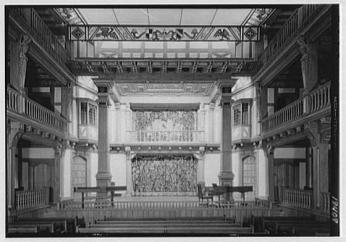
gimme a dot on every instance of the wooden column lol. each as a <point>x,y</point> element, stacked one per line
<point>56,174</point>
<point>309,63</point>
<point>200,156</point>
<point>103,176</point>
<point>14,133</point>
<point>129,184</point>
<point>226,174</point>
<point>18,62</point>
<point>269,152</point>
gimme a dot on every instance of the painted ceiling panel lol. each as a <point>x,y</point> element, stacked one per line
<point>230,16</point>
<point>131,16</point>
<point>197,16</point>
<point>98,16</point>
<point>164,16</point>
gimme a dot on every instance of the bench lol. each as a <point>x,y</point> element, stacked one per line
<point>22,229</point>
<point>52,225</point>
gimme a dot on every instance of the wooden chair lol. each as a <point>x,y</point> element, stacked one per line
<point>202,194</point>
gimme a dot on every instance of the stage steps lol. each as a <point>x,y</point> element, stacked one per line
<point>188,226</point>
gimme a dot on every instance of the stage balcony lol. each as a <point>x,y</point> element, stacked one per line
<point>184,136</point>
<point>310,107</point>
<point>31,113</point>
<point>301,20</point>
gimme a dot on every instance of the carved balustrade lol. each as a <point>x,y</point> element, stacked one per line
<point>37,28</point>
<point>71,205</point>
<point>31,199</point>
<point>185,136</point>
<point>21,104</point>
<point>298,20</point>
<point>297,198</point>
<point>325,202</point>
<point>317,100</point>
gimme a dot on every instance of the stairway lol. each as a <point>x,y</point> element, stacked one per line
<point>167,227</point>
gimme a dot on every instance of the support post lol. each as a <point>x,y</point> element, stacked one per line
<point>103,176</point>
<point>129,185</point>
<point>226,175</point>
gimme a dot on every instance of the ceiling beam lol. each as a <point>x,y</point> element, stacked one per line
<point>165,77</point>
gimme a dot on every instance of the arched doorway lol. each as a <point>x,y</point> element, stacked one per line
<point>78,174</point>
<point>249,176</point>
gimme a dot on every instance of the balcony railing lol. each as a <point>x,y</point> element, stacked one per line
<point>185,136</point>
<point>41,33</point>
<point>298,20</point>
<point>23,105</point>
<point>87,132</point>
<point>312,103</point>
<point>31,199</point>
<point>297,198</point>
<point>325,202</point>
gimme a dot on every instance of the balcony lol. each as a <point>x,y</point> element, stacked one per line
<point>87,132</point>
<point>31,199</point>
<point>241,133</point>
<point>298,111</point>
<point>185,136</point>
<point>297,198</point>
<point>29,19</point>
<point>293,27</point>
<point>25,109</point>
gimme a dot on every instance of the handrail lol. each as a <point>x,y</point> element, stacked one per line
<point>153,136</point>
<point>42,34</point>
<point>31,199</point>
<point>297,198</point>
<point>70,204</point>
<point>23,105</point>
<point>298,20</point>
<point>315,101</point>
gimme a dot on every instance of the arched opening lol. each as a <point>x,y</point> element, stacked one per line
<point>249,176</point>
<point>78,174</point>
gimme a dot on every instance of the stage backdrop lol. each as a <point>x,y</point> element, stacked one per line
<point>164,173</point>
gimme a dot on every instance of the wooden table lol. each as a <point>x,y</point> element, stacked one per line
<point>111,189</point>
<point>220,190</point>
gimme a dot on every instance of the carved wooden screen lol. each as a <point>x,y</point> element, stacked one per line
<point>164,174</point>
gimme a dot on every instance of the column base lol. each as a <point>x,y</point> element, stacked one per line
<point>226,179</point>
<point>103,180</point>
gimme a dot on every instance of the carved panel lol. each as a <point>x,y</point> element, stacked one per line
<point>165,88</point>
<point>164,174</point>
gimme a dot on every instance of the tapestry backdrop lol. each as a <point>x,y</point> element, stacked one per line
<point>165,120</point>
<point>164,174</point>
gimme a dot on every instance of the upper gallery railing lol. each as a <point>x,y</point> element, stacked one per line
<point>41,33</point>
<point>31,199</point>
<point>298,20</point>
<point>188,136</point>
<point>315,101</point>
<point>23,105</point>
<point>297,198</point>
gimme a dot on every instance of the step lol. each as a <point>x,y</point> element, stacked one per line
<point>166,225</point>
<point>177,230</point>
